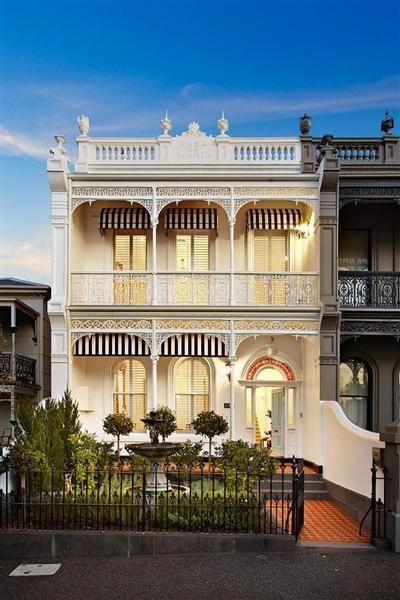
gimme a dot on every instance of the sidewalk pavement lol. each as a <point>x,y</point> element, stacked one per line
<point>307,573</point>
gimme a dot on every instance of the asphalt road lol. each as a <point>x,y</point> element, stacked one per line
<point>327,574</point>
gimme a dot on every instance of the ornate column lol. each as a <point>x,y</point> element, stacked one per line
<point>232,221</point>
<point>154,361</point>
<point>232,383</point>
<point>154,224</point>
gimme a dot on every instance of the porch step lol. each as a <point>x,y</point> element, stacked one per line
<point>314,486</point>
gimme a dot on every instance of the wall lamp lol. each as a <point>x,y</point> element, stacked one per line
<point>228,370</point>
<point>306,228</point>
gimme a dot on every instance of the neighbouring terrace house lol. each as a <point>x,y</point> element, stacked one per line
<point>200,272</point>
<point>24,348</point>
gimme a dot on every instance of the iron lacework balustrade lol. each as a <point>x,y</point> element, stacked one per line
<point>369,289</point>
<point>25,370</point>
<point>124,497</point>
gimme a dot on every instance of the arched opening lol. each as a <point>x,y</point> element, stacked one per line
<point>355,391</point>
<point>130,390</point>
<point>192,389</point>
<point>270,405</point>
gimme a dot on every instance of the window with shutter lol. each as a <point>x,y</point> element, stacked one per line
<point>270,251</point>
<point>192,252</point>
<point>130,254</point>
<point>270,256</point>
<point>191,391</point>
<point>130,390</point>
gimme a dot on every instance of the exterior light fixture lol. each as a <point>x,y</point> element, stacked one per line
<point>228,370</point>
<point>305,229</point>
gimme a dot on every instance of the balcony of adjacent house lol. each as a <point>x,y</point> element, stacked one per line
<point>194,256</point>
<point>369,256</point>
<point>19,350</point>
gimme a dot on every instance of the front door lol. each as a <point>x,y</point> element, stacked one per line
<point>277,421</point>
<point>274,418</point>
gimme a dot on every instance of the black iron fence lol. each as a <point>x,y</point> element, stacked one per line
<point>363,289</point>
<point>161,497</point>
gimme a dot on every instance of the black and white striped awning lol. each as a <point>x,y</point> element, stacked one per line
<point>193,344</point>
<point>273,218</point>
<point>124,218</point>
<point>111,344</point>
<point>191,218</point>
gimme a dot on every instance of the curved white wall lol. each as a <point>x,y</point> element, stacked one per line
<point>346,450</point>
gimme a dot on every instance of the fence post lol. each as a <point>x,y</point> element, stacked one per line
<point>294,498</point>
<point>391,437</point>
<point>373,502</point>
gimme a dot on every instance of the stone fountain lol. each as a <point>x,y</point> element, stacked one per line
<point>156,452</point>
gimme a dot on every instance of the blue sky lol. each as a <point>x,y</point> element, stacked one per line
<point>122,63</point>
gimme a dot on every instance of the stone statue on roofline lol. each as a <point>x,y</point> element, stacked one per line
<point>387,124</point>
<point>83,124</point>
<point>166,124</point>
<point>305,124</point>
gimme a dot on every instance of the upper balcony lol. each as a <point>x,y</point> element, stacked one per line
<point>17,370</point>
<point>369,289</point>
<point>193,148</point>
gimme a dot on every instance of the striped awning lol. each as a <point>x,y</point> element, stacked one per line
<point>273,218</point>
<point>191,218</point>
<point>124,218</point>
<point>193,344</point>
<point>111,344</point>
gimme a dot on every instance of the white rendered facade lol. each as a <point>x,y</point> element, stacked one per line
<point>264,321</point>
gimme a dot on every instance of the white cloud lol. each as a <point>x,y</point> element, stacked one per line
<point>20,145</point>
<point>26,259</point>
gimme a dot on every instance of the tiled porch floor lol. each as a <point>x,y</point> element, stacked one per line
<point>324,521</point>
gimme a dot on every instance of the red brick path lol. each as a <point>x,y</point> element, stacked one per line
<point>324,521</point>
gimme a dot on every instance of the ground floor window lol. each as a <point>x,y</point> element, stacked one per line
<point>192,388</point>
<point>130,390</point>
<point>355,391</point>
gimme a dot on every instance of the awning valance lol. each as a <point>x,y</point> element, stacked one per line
<point>191,218</point>
<point>193,344</point>
<point>111,344</point>
<point>273,218</point>
<point>124,218</point>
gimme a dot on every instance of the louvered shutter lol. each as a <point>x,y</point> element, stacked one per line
<point>192,391</point>
<point>270,251</point>
<point>130,391</point>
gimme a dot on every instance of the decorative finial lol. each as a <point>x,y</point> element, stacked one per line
<point>60,139</point>
<point>83,124</point>
<point>305,124</point>
<point>166,124</point>
<point>387,124</point>
<point>222,124</point>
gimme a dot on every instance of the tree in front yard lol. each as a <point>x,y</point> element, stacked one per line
<point>117,425</point>
<point>210,425</point>
<point>168,424</point>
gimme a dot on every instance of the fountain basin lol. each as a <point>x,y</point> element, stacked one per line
<point>156,480</point>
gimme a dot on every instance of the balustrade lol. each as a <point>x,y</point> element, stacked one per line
<point>108,153</point>
<point>25,370</point>
<point>195,288</point>
<point>369,289</point>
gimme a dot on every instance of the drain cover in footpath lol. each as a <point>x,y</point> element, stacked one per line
<point>35,570</point>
